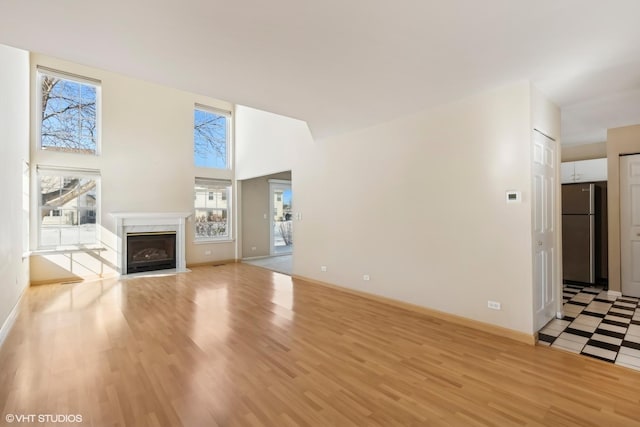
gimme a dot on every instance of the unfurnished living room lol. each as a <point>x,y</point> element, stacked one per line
<point>320,213</point>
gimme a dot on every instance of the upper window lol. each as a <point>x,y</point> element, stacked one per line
<point>68,207</point>
<point>212,209</point>
<point>68,112</point>
<point>211,137</point>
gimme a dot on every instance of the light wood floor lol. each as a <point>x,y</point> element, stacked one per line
<point>240,345</point>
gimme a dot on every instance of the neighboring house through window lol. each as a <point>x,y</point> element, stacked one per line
<point>68,206</point>
<point>212,209</point>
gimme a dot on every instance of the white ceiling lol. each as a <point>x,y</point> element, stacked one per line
<point>345,64</point>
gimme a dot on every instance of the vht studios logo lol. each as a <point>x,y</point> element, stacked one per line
<point>43,418</point>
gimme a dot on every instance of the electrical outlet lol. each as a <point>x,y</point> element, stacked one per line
<point>494,305</point>
<point>253,248</point>
<point>323,268</point>
<point>366,277</point>
<point>207,252</point>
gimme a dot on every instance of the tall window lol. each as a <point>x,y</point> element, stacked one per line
<point>68,112</point>
<point>212,209</point>
<point>68,207</point>
<point>211,137</point>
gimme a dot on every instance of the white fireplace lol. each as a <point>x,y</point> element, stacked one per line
<point>150,222</point>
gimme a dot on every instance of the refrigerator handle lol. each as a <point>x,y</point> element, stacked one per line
<point>592,249</point>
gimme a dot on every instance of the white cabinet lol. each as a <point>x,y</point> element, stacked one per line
<point>584,171</point>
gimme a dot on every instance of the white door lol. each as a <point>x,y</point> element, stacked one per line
<point>544,229</point>
<point>630,224</point>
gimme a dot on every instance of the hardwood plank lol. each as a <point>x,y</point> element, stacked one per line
<point>236,345</point>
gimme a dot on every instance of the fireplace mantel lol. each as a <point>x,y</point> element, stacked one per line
<point>136,222</point>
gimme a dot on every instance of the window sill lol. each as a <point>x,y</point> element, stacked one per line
<point>207,242</point>
<point>67,250</point>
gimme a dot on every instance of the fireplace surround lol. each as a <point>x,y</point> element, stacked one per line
<point>149,224</point>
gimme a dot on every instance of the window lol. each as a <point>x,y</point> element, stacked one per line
<point>68,206</point>
<point>212,209</point>
<point>68,112</point>
<point>211,137</point>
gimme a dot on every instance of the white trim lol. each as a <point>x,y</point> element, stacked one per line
<point>280,181</point>
<point>214,110</point>
<point>68,76</point>
<point>614,293</point>
<point>11,319</point>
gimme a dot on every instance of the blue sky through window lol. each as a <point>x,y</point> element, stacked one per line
<point>210,139</point>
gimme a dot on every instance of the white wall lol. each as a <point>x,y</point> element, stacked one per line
<point>14,151</point>
<point>449,241</point>
<point>267,143</point>
<point>146,161</point>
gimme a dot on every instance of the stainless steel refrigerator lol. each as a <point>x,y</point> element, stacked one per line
<point>584,233</point>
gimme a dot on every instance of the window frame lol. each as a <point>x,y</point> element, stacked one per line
<point>65,172</point>
<point>213,185</point>
<point>228,145</point>
<point>63,75</point>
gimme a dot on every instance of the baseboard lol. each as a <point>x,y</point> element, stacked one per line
<point>60,280</point>
<point>8,324</point>
<point>459,320</point>
<point>213,263</point>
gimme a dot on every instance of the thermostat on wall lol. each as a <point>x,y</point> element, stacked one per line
<point>513,196</point>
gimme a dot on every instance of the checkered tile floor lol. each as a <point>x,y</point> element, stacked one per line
<point>597,325</point>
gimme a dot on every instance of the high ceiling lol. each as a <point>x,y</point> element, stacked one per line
<point>346,64</point>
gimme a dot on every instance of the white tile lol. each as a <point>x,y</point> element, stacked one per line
<point>583,327</point>
<point>628,361</point>
<point>564,344</point>
<point>588,320</point>
<point>572,308</point>
<point>607,339</point>
<point>574,338</point>
<point>601,352</point>
<point>585,298</point>
<point>617,319</point>
<point>630,352</point>
<point>599,305</point>
<point>613,328</point>
<point>552,332</point>
<point>634,330</point>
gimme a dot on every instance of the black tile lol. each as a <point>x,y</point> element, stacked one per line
<point>591,292</point>
<point>598,357</point>
<point>614,323</point>
<point>635,322</point>
<point>603,300</point>
<point>569,318</point>
<point>609,333</point>
<point>592,313</point>
<point>631,344</point>
<point>572,331</point>
<point>546,338</point>
<point>605,345</point>
<point>581,304</point>
<point>615,313</point>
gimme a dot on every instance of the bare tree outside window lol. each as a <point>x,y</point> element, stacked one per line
<point>210,139</point>
<point>68,121</point>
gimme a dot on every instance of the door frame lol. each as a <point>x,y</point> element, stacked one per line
<point>273,185</point>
